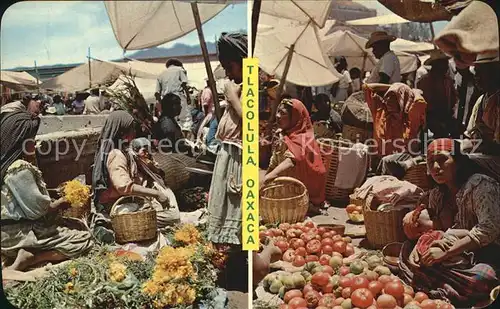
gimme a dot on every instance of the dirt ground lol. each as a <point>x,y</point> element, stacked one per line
<point>237,300</point>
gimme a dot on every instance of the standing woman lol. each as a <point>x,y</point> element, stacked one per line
<point>344,86</point>
<point>224,205</point>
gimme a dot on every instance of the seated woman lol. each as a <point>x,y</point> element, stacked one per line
<point>126,171</point>
<point>32,232</point>
<point>462,217</point>
<point>326,114</point>
<point>296,153</point>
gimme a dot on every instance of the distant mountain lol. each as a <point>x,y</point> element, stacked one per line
<point>176,50</point>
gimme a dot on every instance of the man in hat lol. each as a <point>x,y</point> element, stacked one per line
<point>387,70</point>
<point>174,80</point>
<point>441,97</point>
<point>484,123</point>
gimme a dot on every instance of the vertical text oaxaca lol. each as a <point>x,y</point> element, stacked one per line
<point>250,201</point>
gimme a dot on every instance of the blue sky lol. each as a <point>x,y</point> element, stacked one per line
<point>61,32</point>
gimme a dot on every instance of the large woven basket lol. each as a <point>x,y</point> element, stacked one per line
<point>384,227</point>
<point>174,167</point>
<point>283,200</point>
<point>135,226</point>
<point>330,156</point>
<point>355,134</point>
<point>417,175</point>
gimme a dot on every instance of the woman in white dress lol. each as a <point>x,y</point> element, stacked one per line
<point>343,89</point>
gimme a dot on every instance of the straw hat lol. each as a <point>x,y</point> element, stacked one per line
<point>378,36</point>
<point>487,57</point>
<point>436,55</point>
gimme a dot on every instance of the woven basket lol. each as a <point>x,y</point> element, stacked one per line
<point>355,134</point>
<point>330,156</point>
<point>322,130</point>
<point>135,226</point>
<point>283,200</point>
<point>384,227</point>
<point>417,175</point>
<point>174,166</point>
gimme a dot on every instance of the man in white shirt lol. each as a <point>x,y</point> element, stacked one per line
<point>92,103</point>
<point>387,70</point>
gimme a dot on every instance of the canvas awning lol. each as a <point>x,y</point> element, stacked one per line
<point>18,81</point>
<point>378,20</point>
<point>298,10</point>
<point>410,46</point>
<point>144,24</point>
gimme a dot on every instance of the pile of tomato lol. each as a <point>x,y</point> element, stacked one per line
<point>326,281</point>
<point>304,242</point>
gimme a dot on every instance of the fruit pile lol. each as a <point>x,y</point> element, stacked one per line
<point>355,213</point>
<point>329,274</point>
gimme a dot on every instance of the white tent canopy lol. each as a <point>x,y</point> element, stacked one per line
<point>410,46</point>
<point>378,20</point>
<point>352,46</point>
<point>309,65</point>
<point>20,78</point>
<point>106,72</point>
<point>144,24</point>
<point>298,10</point>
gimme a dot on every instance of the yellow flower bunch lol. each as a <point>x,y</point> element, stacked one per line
<point>117,271</point>
<point>73,272</point>
<point>172,294</point>
<point>69,288</point>
<point>188,234</point>
<point>76,193</point>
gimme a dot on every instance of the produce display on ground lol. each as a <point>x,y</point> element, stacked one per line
<point>181,275</point>
<point>322,269</point>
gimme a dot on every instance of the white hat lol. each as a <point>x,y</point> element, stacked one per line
<point>487,57</point>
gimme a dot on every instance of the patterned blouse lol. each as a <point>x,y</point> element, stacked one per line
<point>477,209</point>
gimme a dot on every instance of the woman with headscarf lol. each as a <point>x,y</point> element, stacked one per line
<point>19,123</point>
<point>224,205</point>
<point>121,172</point>
<point>32,231</point>
<point>459,217</point>
<point>296,152</point>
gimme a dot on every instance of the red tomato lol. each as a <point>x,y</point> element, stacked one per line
<point>321,231</point>
<point>359,282</point>
<point>282,245</point>
<point>428,304</point>
<point>328,234</point>
<point>339,301</point>
<point>299,261</point>
<point>339,246</point>
<point>301,251</point>
<point>283,306</point>
<point>325,259</point>
<point>409,290</point>
<point>395,289</point>
<point>326,242</point>
<point>420,297</point>
<point>362,298</point>
<point>292,233</point>
<point>320,279</point>
<point>345,282</point>
<point>314,230</point>
<point>297,225</point>
<point>284,226</point>
<point>386,301</point>
<point>375,287</point>
<point>384,279</point>
<point>359,209</point>
<point>305,229</point>
<point>312,258</point>
<point>312,299</point>
<point>346,292</point>
<point>349,250</point>
<point>289,255</point>
<point>307,237</point>
<point>309,224</point>
<point>297,302</point>
<point>291,294</point>
<point>328,301</point>
<point>297,243</point>
<point>314,246</point>
<point>328,269</point>
<point>307,288</point>
<point>336,237</point>
<point>344,270</point>
<point>264,234</point>
<point>350,208</point>
<point>327,288</point>
<point>327,250</point>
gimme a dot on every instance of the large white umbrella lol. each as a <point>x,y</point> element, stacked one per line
<point>378,20</point>
<point>352,46</point>
<point>307,65</point>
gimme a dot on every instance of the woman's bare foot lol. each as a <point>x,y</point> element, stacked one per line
<point>22,261</point>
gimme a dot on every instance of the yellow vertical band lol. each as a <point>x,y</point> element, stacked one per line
<point>250,173</point>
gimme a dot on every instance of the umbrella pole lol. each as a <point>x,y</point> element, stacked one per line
<point>274,105</point>
<point>364,62</point>
<point>208,67</point>
<point>255,21</point>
